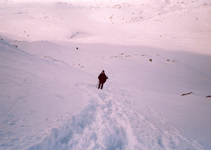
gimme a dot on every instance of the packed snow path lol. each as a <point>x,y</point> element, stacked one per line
<point>105,124</point>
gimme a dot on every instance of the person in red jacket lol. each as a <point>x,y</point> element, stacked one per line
<point>102,79</point>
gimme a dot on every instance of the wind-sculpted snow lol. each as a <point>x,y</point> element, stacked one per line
<point>105,124</point>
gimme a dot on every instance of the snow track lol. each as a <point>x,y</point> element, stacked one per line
<point>105,124</point>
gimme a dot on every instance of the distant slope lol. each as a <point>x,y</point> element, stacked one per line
<point>170,25</point>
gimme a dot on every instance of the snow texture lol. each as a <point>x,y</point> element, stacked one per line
<point>156,55</point>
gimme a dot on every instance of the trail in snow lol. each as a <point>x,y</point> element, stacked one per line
<point>106,124</point>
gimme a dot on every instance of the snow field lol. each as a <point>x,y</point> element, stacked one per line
<point>123,116</point>
<point>152,51</point>
<point>30,88</point>
<point>167,25</point>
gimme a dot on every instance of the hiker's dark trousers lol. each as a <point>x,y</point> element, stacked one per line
<point>100,86</point>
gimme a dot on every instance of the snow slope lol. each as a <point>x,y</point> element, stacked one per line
<point>35,94</point>
<point>48,96</point>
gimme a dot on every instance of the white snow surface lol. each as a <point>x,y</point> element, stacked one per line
<point>51,53</point>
